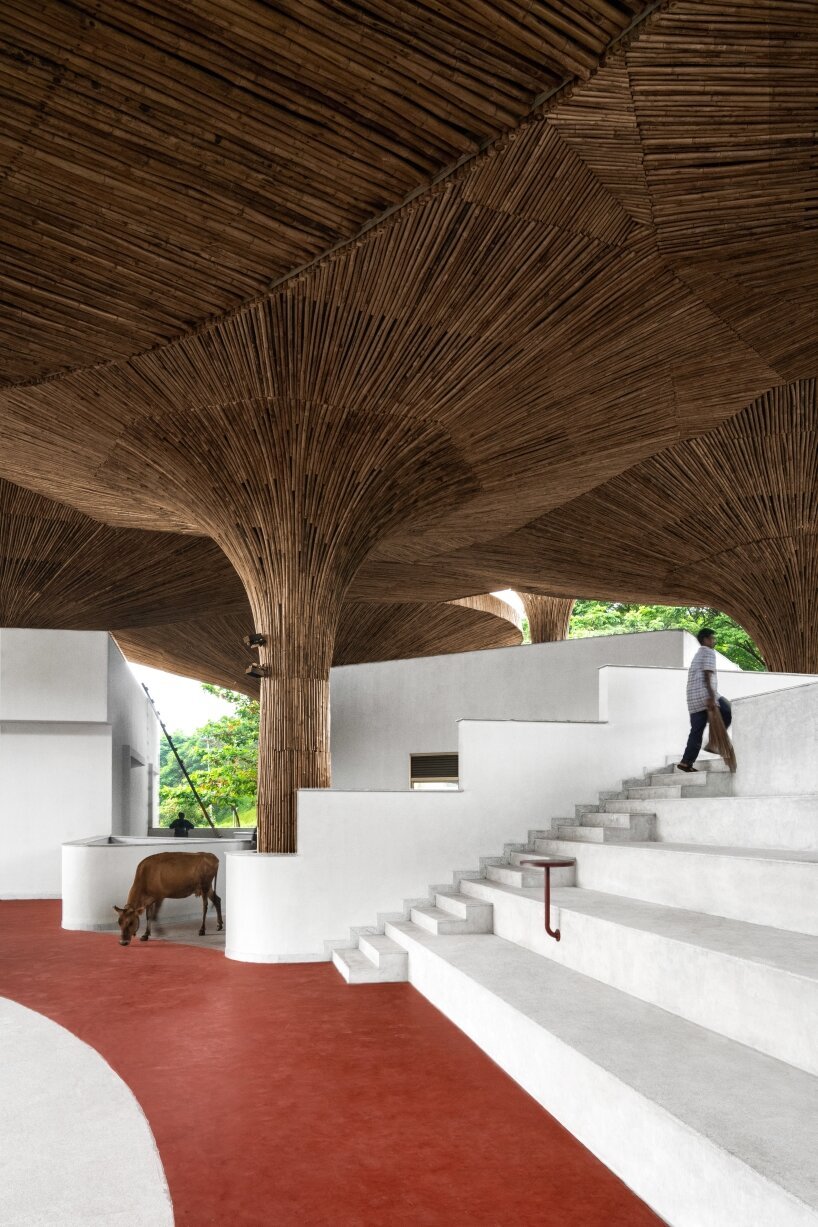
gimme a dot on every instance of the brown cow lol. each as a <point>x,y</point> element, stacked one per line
<point>168,875</point>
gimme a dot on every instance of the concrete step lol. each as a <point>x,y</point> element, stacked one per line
<point>376,960</point>
<point>602,818</point>
<point>476,917</point>
<point>717,784</point>
<point>759,886</point>
<point>755,984</point>
<point>707,1131</point>
<point>588,835</point>
<point>662,778</point>
<point>703,763</point>
<point>647,793</point>
<point>514,875</point>
<point>463,906</point>
<point>640,827</point>
<point>384,954</point>
<point>559,877</point>
<point>702,784</point>
<point>749,822</point>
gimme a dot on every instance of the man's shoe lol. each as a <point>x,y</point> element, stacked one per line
<point>687,767</point>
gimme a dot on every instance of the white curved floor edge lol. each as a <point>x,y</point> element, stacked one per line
<point>75,1147</point>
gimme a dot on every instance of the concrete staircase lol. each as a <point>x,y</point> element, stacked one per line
<point>674,1028</point>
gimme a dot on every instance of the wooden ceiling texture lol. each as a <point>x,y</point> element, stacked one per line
<point>596,253</point>
<point>59,569</point>
<point>211,648</point>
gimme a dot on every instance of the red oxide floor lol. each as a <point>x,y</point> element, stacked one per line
<point>280,1096</point>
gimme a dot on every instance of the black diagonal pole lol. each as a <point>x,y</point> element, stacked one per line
<point>178,757</point>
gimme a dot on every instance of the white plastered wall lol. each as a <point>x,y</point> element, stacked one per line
<point>70,710</point>
<point>383,713</point>
<point>776,741</point>
<point>96,874</point>
<point>364,853</point>
<point>135,749</point>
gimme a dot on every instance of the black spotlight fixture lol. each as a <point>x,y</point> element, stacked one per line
<point>257,671</point>
<point>255,640</point>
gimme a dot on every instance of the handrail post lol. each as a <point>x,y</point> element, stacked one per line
<point>547,865</point>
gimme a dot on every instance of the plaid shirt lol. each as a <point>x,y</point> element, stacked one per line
<point>697,693</point>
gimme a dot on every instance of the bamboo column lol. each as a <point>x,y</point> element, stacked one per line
<point>548,616</point>
<point>296,510</point>
<point>749,493</point>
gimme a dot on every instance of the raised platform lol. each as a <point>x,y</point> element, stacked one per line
<point>708,1131</point>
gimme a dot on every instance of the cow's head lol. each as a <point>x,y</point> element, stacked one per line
<point>128,922</point>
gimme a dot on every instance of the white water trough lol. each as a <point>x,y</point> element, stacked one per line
<point>97,873</point>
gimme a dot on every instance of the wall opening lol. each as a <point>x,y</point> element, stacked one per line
<point>432,772</point>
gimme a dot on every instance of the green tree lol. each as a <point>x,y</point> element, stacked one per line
<point>220,758</point>
<point>619,618</point>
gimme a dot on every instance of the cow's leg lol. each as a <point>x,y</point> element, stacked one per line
<point>150,912</point>
<point>204,910</point>
<point>217,903</point>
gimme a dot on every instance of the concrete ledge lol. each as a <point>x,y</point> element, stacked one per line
<point>706,1131</point>
<point>762,887</point>
<point>96,874</point>
<point>789,823</point>
<point>756,985</point>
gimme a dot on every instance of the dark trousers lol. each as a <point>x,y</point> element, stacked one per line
<point>698,723</point>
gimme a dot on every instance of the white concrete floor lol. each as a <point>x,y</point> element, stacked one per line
<point>75,1147</point>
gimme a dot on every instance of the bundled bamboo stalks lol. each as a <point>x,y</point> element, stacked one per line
<point>718,740</point>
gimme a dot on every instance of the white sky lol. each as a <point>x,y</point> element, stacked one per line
<point>182,703</point>
<point>509,595</point>
<point>184,706</point>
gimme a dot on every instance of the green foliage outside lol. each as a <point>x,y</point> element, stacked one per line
<point>221,760</point>
<point>618,618</point>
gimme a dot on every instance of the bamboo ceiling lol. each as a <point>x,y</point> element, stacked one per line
<point>61,570</point>
<point>211,648</point>
<point>161,163</point>
<point>617,276</point>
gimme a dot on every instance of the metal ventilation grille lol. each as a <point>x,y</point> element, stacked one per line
<point>430,768</point>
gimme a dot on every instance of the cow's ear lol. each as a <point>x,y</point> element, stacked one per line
<point>119,909</point>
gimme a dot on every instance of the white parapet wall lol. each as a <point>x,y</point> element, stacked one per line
<point>776,741</point>
<point>78,752</point>
<point>363,853</point>
<point>384,712</point>
<point>97,873</point>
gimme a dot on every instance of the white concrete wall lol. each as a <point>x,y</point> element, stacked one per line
<point>53,675</point>
<point>776,741</point>
<point>72,721</point>
<point>361,853</point>
<point>135,749</point>
<point>55,784</point>
<point>97,873</point>
<point>383,713</point>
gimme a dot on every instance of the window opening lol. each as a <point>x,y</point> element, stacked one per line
<point>434,772</point>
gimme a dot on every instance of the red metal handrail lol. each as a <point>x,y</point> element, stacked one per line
<point>549,863</point>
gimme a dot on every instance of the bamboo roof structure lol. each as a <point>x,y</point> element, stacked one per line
<point>548,616</point>
<point>211,648</point>
<point>61,570</point>
<point>411,303</point>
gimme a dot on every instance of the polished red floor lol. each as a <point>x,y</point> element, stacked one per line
<point>278,1095</point>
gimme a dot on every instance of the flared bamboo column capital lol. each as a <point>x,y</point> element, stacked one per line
<point>548,616</point>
